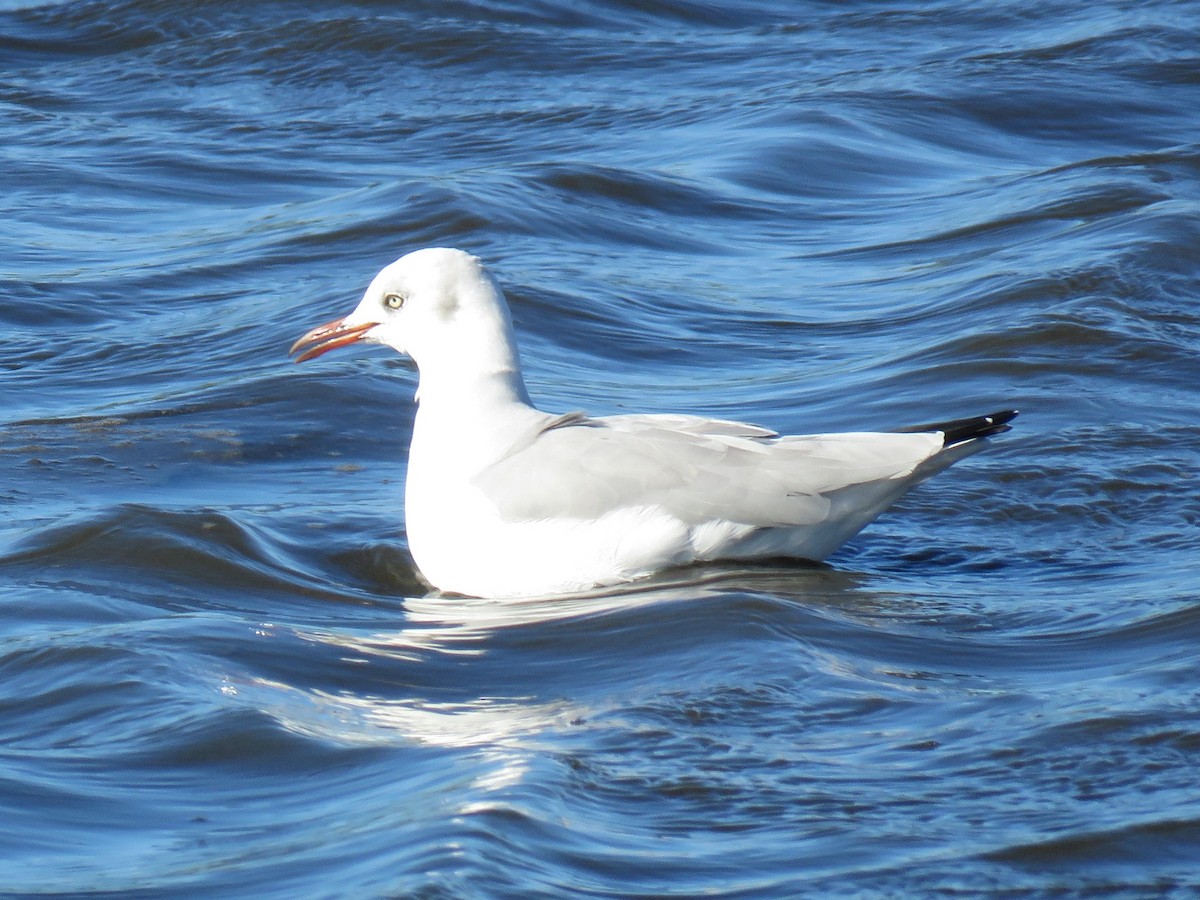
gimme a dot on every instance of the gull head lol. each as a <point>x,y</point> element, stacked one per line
<point>438,306</point>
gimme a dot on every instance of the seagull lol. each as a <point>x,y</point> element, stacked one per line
<point>503,500</point>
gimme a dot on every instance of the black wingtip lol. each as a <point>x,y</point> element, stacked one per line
<point>959,430</point>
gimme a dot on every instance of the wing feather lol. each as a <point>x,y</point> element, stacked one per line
<point>699,470</point>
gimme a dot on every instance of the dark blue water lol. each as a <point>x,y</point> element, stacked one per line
<point>219,674</point>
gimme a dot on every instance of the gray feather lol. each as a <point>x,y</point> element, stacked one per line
<point>699,470</point>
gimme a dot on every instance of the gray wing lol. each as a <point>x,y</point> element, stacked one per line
<point>697,469</point>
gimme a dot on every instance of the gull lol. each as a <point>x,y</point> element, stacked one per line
<point>505,500</point>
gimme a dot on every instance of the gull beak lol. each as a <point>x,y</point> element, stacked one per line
<point>330,336</point>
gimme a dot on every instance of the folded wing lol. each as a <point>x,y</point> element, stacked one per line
<point>698,470</point>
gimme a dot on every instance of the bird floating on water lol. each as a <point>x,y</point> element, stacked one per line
<point>505,500</point>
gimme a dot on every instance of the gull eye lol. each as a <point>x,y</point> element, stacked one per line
<point>392,300</point>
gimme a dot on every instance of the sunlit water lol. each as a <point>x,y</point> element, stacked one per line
<point>219,674</point>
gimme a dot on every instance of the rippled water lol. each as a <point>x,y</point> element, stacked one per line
<point>219,674</point>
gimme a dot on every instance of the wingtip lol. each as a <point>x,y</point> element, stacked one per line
<point>1002,418</point>
<point>985,426</point>
<point>958,431</point>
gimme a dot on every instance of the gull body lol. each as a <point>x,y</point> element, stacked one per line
<point>503,499</point>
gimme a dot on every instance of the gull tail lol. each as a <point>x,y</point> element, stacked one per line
<point>958,431</point>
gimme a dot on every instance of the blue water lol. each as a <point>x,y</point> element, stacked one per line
<point>219,674</point>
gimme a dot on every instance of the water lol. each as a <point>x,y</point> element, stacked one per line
<point>219,674</point>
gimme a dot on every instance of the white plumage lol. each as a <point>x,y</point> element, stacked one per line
<point>505,500</point>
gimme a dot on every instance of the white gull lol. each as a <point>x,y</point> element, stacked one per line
<point>505,500</point>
